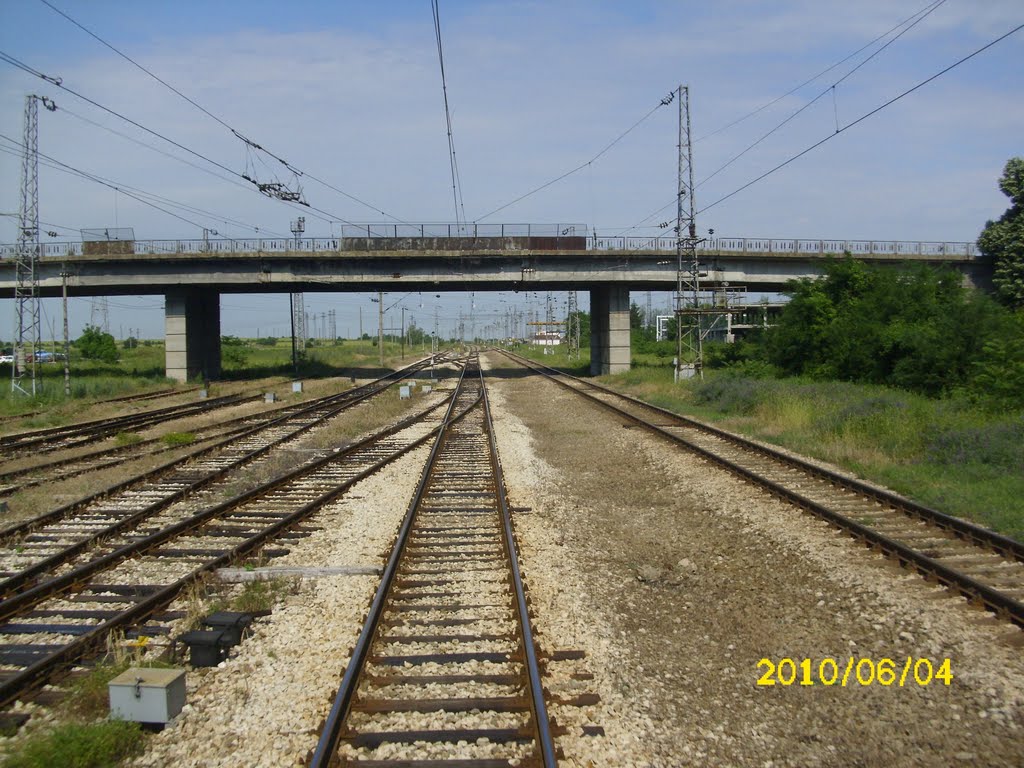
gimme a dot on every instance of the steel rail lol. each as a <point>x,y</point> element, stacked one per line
<point>247,424</point>
<point>51,439</point>
<point>332,730</point>
<point>541,720</point>
<point>32,572</point>
<point>964,529</point>
<point>347,398</point>
<point>54,664</point>
<point>976,591</point>
<point>330,733</point>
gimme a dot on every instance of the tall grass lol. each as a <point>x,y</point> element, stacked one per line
<point>949,454</point>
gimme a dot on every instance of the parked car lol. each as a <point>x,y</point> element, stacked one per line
<point>6,358</point>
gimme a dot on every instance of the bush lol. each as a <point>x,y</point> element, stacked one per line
<point>94,344</point>
<point>730,394</point>
<point>998,445</point>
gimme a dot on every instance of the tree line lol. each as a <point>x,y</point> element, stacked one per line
<point>918,329</point>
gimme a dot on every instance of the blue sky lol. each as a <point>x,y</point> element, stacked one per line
<point>351,92</point>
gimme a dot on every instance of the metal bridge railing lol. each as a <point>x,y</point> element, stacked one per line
<point>463,235</point>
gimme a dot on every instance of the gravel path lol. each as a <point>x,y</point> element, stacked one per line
<point>677,579</point>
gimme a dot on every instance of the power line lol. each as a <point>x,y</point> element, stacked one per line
<point>813,101</point>
<point>837,131</point>
<point>793,90</point>
<point>581,166</point>
<point>863,117</point>
<point>159,151</point>
<point>456,180</point>
<point>58,165</point>
<point>327,215</point>
<point>247,141</point>
<point>915,19</point>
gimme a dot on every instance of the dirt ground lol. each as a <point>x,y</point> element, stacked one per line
<point>677,579</point>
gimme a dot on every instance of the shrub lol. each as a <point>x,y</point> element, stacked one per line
<point>94,344</point>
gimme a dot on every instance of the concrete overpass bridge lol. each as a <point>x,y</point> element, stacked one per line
<point>192,274</point>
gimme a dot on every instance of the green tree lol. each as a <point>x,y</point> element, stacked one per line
<point>1003,241</point>
<point>94,344</point>
<point>918,329</point>
<point>233,351</point>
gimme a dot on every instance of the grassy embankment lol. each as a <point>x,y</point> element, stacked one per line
<point>948,453</point>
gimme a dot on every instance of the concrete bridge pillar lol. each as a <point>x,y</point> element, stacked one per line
<point>192,333</point>
<point>609,330</point>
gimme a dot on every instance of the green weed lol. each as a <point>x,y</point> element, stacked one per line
<point>179,438</point>
<point>73,745</point>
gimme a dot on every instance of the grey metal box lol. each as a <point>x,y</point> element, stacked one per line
<point>147,694</point>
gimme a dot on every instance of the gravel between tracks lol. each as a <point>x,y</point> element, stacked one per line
<point>264,705</point>
<point>677,579</point>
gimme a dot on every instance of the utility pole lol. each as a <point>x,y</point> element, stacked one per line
<point>297,304</point>
<point>380,326</point>
<point>403,333</point>
<point>26,277</point>
<point>67,342</point>
<point>687,298</point>
<point>572,330</point>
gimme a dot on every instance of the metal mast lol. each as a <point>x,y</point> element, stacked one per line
<point>26,281</point>
<point>572,330</point>
<point>689,346</point>
<point>297,303</point>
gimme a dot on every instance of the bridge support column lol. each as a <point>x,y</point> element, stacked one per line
<point>609,330</point>
<point>192,334</point>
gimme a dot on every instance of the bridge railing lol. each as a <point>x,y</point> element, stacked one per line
<point>577,233</point>
<point>770,246</point>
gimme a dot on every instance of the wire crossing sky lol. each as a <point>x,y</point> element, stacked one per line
<point>557,106</point>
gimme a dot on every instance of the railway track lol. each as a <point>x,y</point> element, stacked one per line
<point>13,481</point>
<point>128,582</point>
<point>61,438</point>
<point>153,395</point>
<point>981,565</point>
<point>445,671</point>
<point>34,549</point>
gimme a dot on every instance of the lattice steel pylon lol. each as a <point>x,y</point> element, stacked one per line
<point>299,320</point>
<point>572,329</point>
<point>99,313</point>
<point>27,326</point>
<point>689,343</point>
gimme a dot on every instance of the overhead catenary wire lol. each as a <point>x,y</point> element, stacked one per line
<point>912,20</point>
<point>125,190</point>
<point>581,166</point>
<point>64,110</point>
<point>325,215</point>
<point>54,163</point>
<point>453,163</point>
<point>238,134</point>
<point>863,117</point>
<point>830,89</point>
<point>823,72</point>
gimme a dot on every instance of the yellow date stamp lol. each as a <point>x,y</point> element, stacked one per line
<point>853,671</point>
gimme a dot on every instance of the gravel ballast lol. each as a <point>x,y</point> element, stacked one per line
<point>677,579</point>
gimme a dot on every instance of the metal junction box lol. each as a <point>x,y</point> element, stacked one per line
<point>147,694</point>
